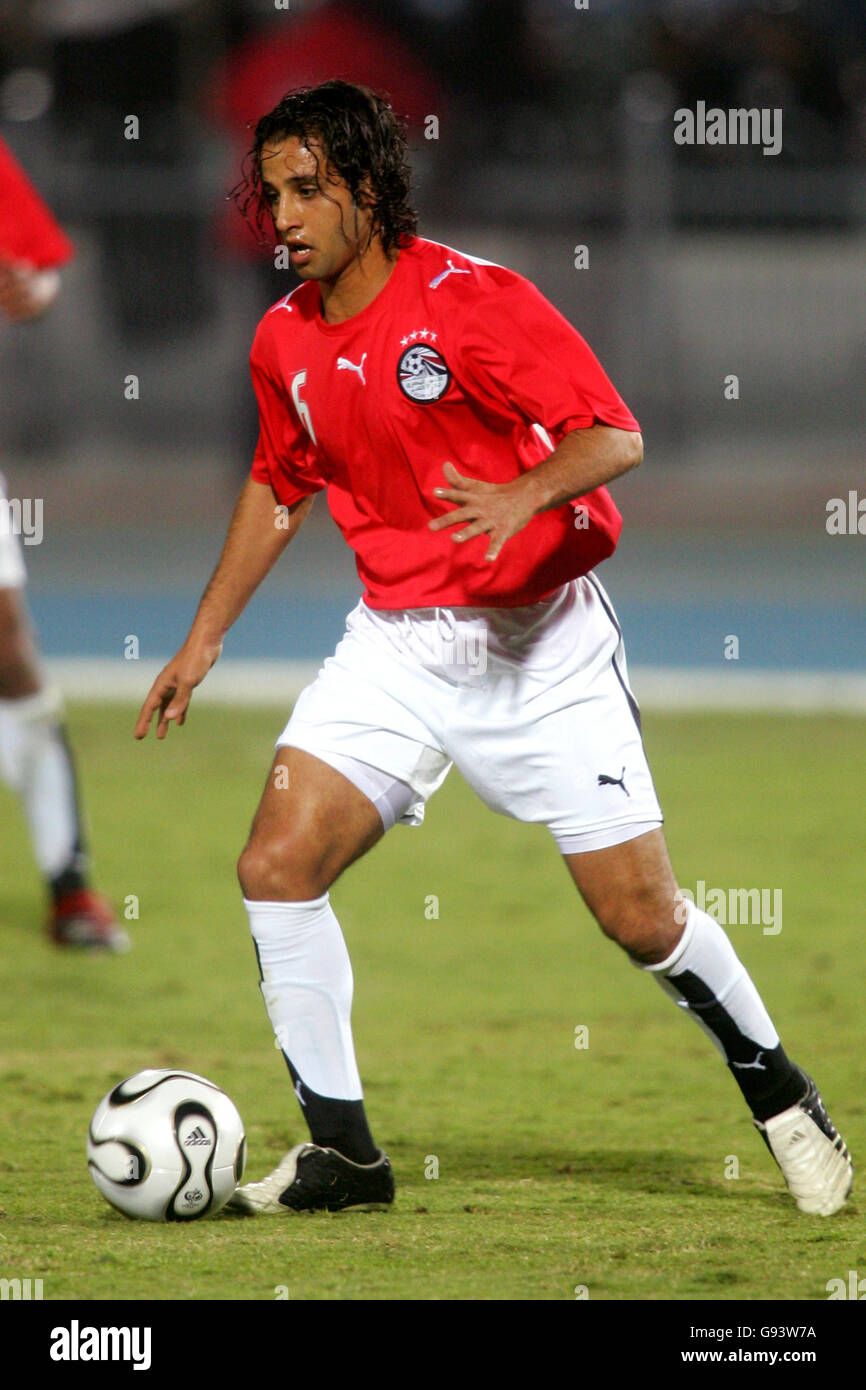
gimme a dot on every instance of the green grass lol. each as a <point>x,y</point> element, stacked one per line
<point>558,1167</point>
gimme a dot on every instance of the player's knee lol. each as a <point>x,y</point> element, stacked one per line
<point>644,925</point>
<point>281,870</point>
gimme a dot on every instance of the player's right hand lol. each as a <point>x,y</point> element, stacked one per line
<point>172,690</point>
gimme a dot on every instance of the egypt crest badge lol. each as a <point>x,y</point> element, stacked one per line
<point>423,373</point>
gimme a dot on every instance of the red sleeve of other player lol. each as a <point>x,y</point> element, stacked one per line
<point>285,456</point>
<point>28,231</point>
<point>518,352</point>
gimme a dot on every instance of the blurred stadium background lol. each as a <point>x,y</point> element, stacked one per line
<point>553,130</point>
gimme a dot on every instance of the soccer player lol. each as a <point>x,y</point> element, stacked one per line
<point>464,433</point>
<point>35,760</point>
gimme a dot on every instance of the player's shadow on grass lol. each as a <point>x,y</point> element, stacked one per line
<point>647,1171</point>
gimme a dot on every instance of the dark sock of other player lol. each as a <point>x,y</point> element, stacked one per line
<point>73,878</point>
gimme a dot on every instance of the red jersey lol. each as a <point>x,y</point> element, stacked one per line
<point>455,359</point>
<point>28,231</point>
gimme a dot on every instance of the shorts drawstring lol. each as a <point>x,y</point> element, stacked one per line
<point>445,615</point>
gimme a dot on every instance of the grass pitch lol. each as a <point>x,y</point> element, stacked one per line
<point>628,1167</point>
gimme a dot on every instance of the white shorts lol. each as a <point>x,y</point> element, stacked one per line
<point>12,572</point>
<point>532,705</point>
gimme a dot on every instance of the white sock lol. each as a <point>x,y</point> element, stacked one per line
<point>707,957</point>
<point>307,988</point>
<point>35,763</point>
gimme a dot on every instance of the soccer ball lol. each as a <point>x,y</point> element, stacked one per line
<point>166,1146</point>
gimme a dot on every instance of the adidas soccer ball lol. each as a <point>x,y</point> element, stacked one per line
<point>166,1146</point>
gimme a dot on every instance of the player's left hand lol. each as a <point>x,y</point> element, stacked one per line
<point>498,510</point>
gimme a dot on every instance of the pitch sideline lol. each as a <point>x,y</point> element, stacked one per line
<point>280,682</point>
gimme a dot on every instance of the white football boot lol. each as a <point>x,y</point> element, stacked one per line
<point>315,1179</point>
<point>811,1153</point>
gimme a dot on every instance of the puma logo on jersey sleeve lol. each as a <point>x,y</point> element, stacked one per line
<point>452,270</point>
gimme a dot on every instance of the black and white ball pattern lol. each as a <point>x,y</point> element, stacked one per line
<point>166,1145</point>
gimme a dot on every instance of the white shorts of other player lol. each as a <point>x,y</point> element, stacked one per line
<point>532,705</point>
<point>12,572</point>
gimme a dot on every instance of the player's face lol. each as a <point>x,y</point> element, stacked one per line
<point>313,211</point>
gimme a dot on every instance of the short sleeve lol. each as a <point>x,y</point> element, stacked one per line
<point>28,230</point>
<point>517,351</point>
<point>285,455</point>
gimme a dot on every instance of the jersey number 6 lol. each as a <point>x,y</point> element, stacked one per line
<point>298,381</point>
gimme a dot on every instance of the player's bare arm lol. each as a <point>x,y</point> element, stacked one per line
<point>585,459</point>
<point>253,545</point>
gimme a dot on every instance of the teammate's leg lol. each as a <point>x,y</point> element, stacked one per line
<point>631,891</point>
<point>36,763</point>
<point>312,822</point>
<point>19,668</point>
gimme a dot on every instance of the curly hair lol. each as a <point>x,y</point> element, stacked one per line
<point>363,140</point>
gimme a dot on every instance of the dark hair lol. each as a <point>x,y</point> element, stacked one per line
<point>363,140</point>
